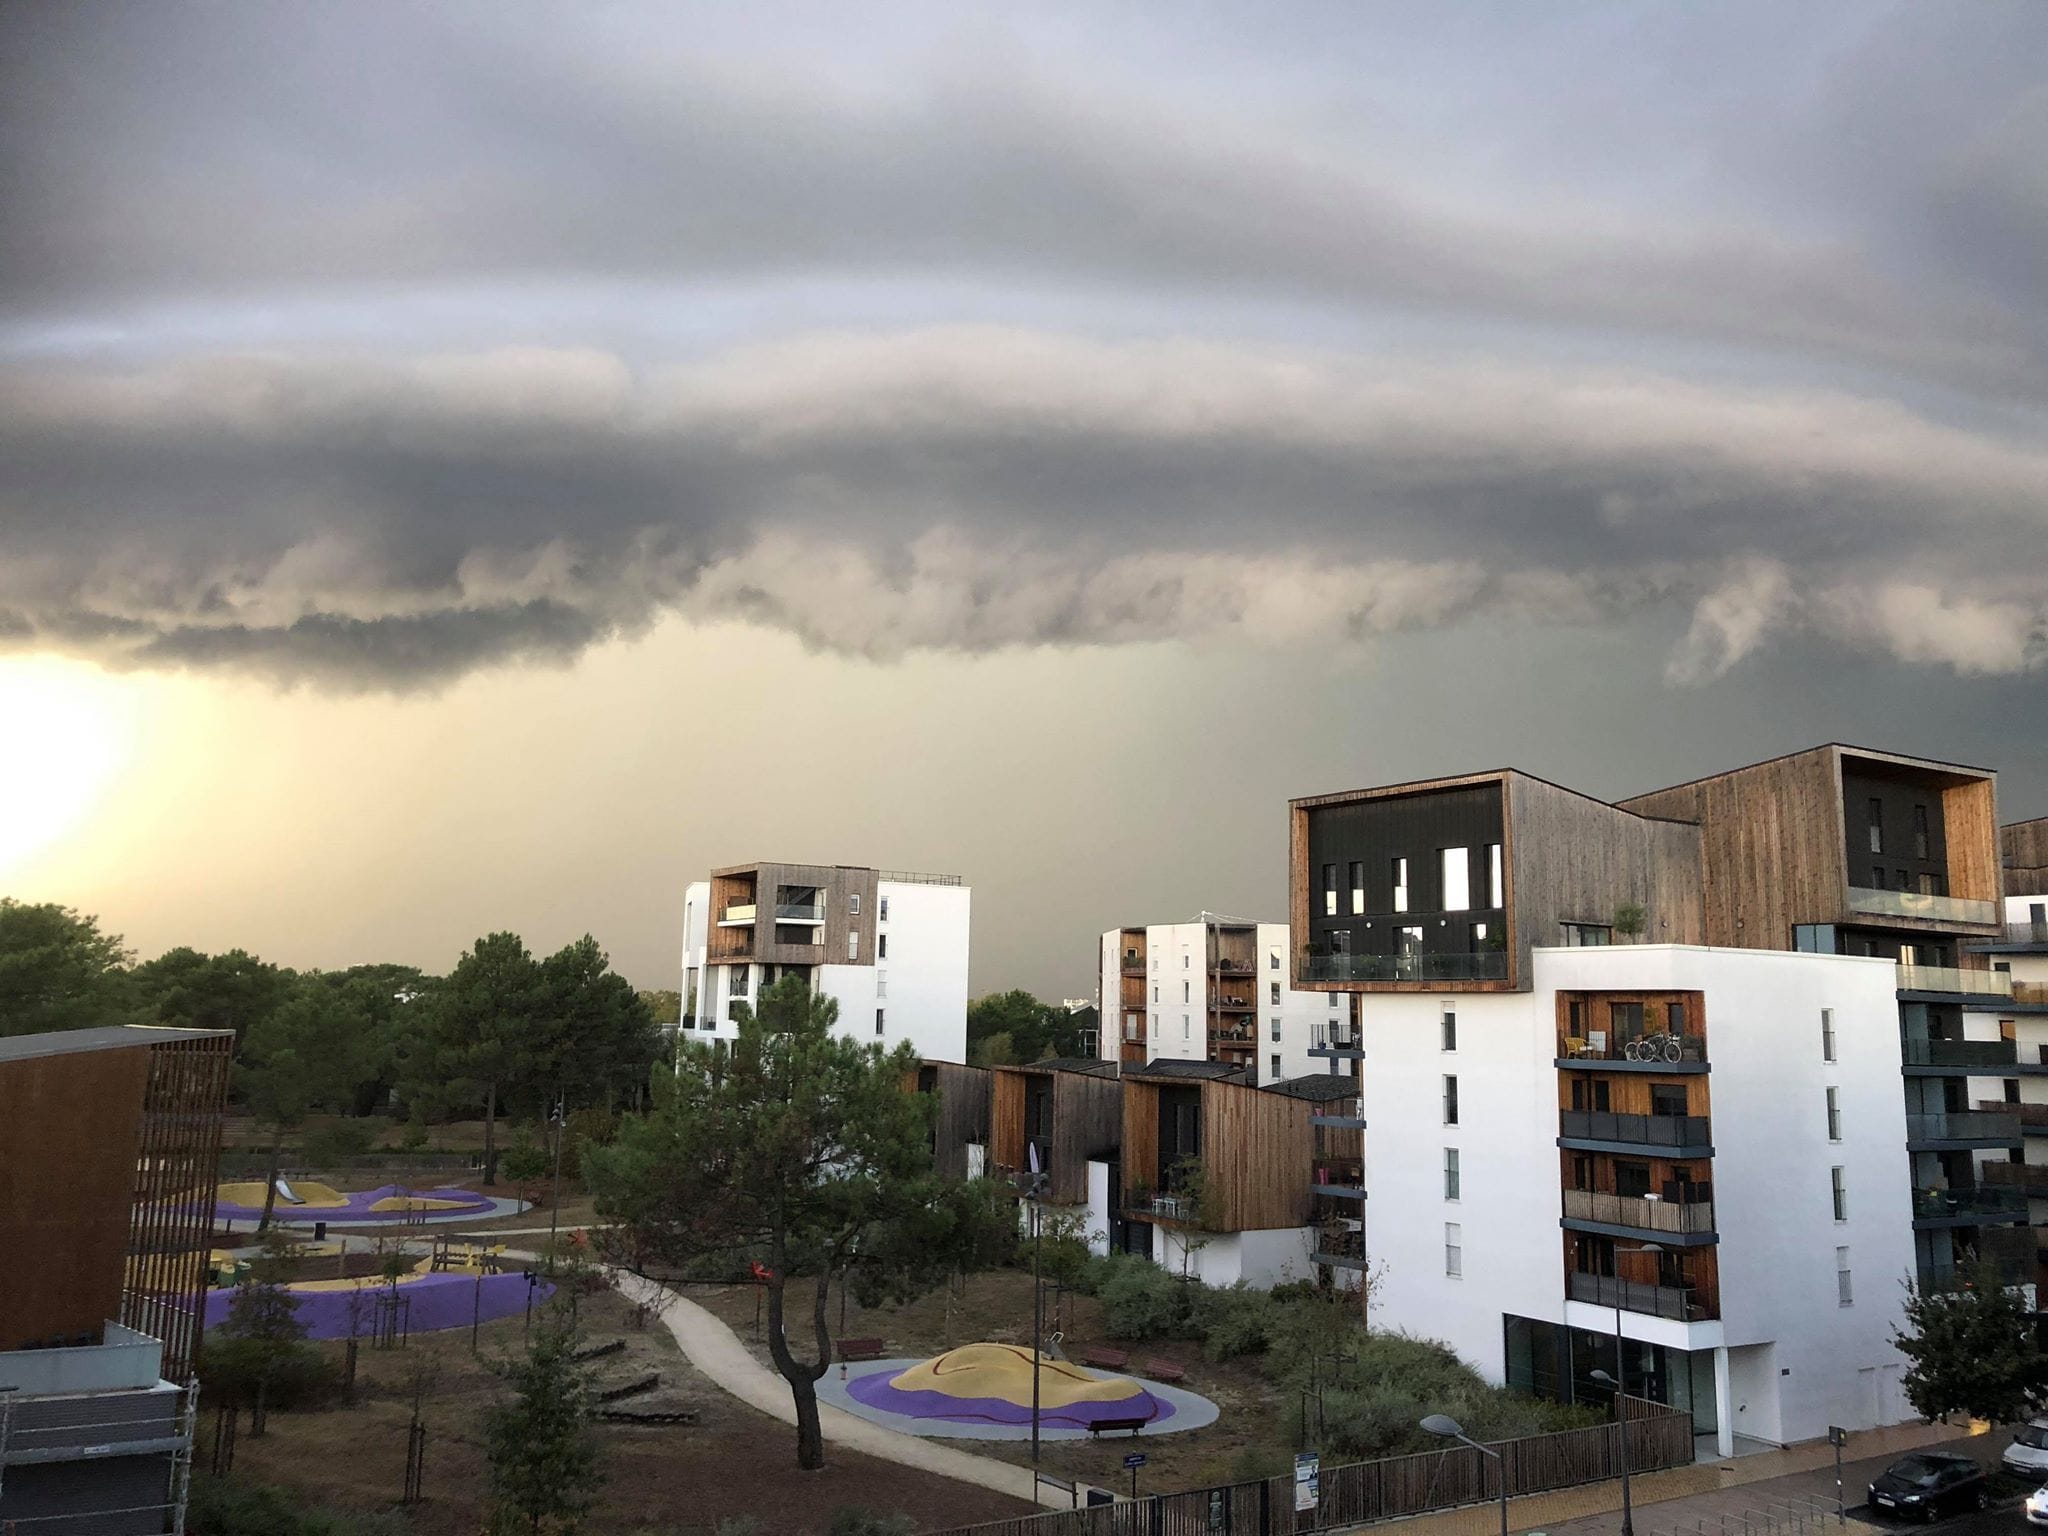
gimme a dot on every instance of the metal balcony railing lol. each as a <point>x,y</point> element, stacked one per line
<point>1327,1037</point>
<point>1236,967</point>
<point>1969,1200</point>
<point>1488,965</point>
<point>1989,1054</point>
<point>1641,1211</point>
<point>1132,965</point>
<point>2029,1178</point>
<point>1949,978</point>
<point>2026,931</point>
<point>1636,1130</point>
<point>2026,1114</point>
<point>1964,1125</point>
<point>1236,1005</point>
<point>1947,1275</point>
<point>1939,909</point>
<point>1677,1302</point>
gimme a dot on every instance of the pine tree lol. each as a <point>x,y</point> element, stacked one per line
<point>543,1458</point>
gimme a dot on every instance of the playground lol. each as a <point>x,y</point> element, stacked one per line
<point>456,1286</point>
<point>302,1203</point>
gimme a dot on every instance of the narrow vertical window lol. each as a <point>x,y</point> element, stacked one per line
<point>1876,825</point>
<point>1450,1173</point>
<point>1276,1031</point>
<point>1451,1099</point>
<point>878,1020</point>
<point>1834,1114</point>
<point>1845,1294</point>
<point>1827,1034</point>
<point>1449,1026</point>
<point>1454,1248</point>
<point>1183,1026</point>
<point>1276,993</point>
<point>1920,840</point>
<point>853,903</point>
<point>1184,997</point>
<point>1400,885</point>
<point>1276,1067</point>
<point>1329,890</point>
<point>1455,866</point>
<point>1496,887</point>
<point>1273,960</point>
<point>1840,1192</point>
<point>882,908</point>
<point>881,946</point>
<point>881,983</point>
<point>1357,888</point>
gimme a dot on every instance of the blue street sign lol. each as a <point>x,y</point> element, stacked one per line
<point>1135,1460</point>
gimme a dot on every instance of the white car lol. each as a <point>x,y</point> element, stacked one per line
<point>2037,1507</point>
<point>2028,1453</point>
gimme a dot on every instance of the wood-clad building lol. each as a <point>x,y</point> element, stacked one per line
<point>962,1098</point>
<point>1252,1148</point>
<point>2024,847</point>
<point>1067,1111</point>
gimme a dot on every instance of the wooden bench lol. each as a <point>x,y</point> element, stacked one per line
<point>1116,1426</point>
<point>1162,1370</point>
<point>1107,1359</point>
<point>860,1349</point>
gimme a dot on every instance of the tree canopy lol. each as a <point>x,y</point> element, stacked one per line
<point>1971,1351</point>
<point>190,990</point>
<point>58,970</point>
<point>1011,1028</point>
<point>302,1056</point>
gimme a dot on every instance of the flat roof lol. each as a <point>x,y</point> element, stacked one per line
<point>112,1037</point>
<point>1318,1087</point>
<point>1172,1066</point>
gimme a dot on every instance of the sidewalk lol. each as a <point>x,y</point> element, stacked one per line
<point>716,1350</point>
<point>1703,1493</point>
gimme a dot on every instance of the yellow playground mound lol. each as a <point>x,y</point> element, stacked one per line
<point>1003,1372</point>
<point>414,1203</point>
<point>312,1196</point>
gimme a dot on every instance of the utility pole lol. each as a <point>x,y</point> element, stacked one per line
<point>556,1118</point>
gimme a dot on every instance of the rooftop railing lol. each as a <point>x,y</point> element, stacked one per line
<point>913,877</point>
<point>1650,1215</point>
<point>1949,978</point>
<point>1937,909</point>
<point>1485,965</point>
<point>1636,1130</point>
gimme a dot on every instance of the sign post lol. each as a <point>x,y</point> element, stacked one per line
<point>1134,1461</point>
<point>1838,1437</point>
<point>1308,1489</point>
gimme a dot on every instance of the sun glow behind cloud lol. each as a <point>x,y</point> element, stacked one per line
<point>66,733</point>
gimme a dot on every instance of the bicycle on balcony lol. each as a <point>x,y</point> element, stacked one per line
<point>1655,1048</point>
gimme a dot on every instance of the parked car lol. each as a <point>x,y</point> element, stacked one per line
<point>2037,1507</point>
<point>1931,1485</point>
<point>2028,1453</point>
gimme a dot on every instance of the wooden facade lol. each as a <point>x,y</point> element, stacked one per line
<point>840,888</point>
<point>2024,849</point>
<point>1256,1150</point>
<point>1084,1121</point>
<point>962,1098</point>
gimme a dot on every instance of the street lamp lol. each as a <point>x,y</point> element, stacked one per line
<point>1451,1429</point>
<point>1628,1522</point>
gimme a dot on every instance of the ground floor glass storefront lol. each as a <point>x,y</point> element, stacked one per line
<point>1553,1361</point>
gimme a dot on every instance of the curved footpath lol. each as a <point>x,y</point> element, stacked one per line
<point>717,1351</point>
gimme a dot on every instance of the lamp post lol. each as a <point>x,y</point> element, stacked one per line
<point>1451,1429</point>
<point>557,1120</point>
<point>1628,1522</point>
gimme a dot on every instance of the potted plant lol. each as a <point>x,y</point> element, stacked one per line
<point>1630,919</point>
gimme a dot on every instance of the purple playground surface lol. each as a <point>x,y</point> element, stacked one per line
<point>875,1391</point>
<point>357,1210</point>
<point>437,1301</point>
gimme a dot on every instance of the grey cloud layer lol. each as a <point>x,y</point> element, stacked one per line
<point>358,520</point>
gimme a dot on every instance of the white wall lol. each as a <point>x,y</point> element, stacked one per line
<point>1177,1029</point>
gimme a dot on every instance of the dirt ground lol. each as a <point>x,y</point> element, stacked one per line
<point>1253,1419</point>
<point>669,1481</point>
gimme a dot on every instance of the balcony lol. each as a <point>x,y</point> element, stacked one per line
<point>2028,1178</point>
<point>1965,1205</point>
<point>2033,1118</point>
<point>1340,1249</point>
<point>1641,1213</point>
<point>738,915</point>
<point>1948,1275</point>
<point>1132,965</point>
<point>1488,965</point>
<point>1599,1051</point>
<point>1993,1057</point>
<point>1342,1042</point>
<point>1236,967</point>
<point>1933,909</point>
<point>1991,1128</point>
<point>1679,1303</point>
<point>1952,979</point>
<point>2024,932</point>
<point>798,912</point>
<point>1235,1005</point>
<point>1687,1135</point>
<point>1176,1209</point>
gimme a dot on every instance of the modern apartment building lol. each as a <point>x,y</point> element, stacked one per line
<point>109,1149</point>
<point>2020,955</point>
<point>1215,989</point>
<point>889,947</point>
<point>1764,1110</point>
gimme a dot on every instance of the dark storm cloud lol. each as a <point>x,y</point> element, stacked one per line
<point>1778,358</point>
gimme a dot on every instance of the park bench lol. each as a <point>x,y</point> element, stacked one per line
<point>1115,1426</point>
<point>1106,1358</point>
<point>1162,1370</point>
<point>860,1349</point>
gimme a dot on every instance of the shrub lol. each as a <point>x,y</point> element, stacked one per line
<point>1234,1320</point>
<point>855,1521</point>
<point>1142,1301</point>
<point>414,1138</point>
<point>339,1143</point>
<point>1255,1463</point>
<point>257,1509</point>
<point>523,1165</point>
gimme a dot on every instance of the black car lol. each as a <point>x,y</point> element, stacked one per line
<point>1930,1485</point>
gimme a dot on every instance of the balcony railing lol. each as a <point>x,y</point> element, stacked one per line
<point>2035,1115</point>
<point>1949,978</point>
<point>1133,1032</point>
<point>1673,1216</point>
<point>1947,1275</point>
<point>1938,909</point>
<point>1487,965</point>
<point>1649,1047</point>
<point>1636,1130</point>
<point>1339,1246</point>
<point>1969,1200</point>
<point>799,912</point>
<point>1964,1125</point>
<point>1678,1302</point>
<point>2029,1178</point>
<point>1236,1005</point>
<point>1237,967</point>
<point>2025,931</point>
<point>1132,965</point>
<point>1326,1037</point>
<point>1166,1208</point>
<point>1989,1054</point>
<point>738,912</point>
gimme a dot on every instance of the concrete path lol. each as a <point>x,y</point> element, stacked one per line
<point>717,1351</point>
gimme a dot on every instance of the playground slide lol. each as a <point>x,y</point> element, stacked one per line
<point>284,1193</point>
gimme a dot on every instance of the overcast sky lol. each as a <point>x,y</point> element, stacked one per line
<point>494,463</point>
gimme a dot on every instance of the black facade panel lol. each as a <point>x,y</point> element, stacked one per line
<point>1902,807</point>
<point>1374,833</point>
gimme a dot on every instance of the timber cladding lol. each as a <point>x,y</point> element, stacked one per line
<point>1082,1120</point>
<point>1256,1151</point>
<point>70,1131</point>
<point>2024,848</point>
<point>963,1099</point>
<point>1578,860</point>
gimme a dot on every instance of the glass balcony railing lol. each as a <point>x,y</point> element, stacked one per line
<point>1648,1047</point>
<point>1969,1200</point>
<point>1964,1125</point>
<point>738,912</point>
<point>1640,1211</point>
<point>1992,1055</point>
<point>1938,909</point>
<point>1486,965</point>
<point>799,912</point>
<point>1678,1302</point>
<point>1332,1037</point>
<point>1949,978</point>
<point>2035,1115</point>
<point>1636,1130</point>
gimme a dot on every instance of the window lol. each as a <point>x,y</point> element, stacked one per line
<point>1276,1031</point>
<point>878,1020</point>
<point>1920,832</point>
<point>1667,1099</point>
<point>1454,1248</point>
<point>1496,887</point>
<point>1827,1034</point>
<point>738,986</point>
<point>1451,1100</point>
<point>1845,1294</point>
<point>1674,1017</point>
<point>1841,1194</point>
<point>882,909</point>
<point>1184,997</point>
<point>1357,888</point>
<point>1400,885</point>
<point>1329,890</point>
<point>1333,1002</point>
<point>1876,825</point>
<point>1587,935</point>
<point>1448,1025</point>
<point>1276,1064</point>
<point>1183,1026</point>
<point>881,983</point>
<point>1275,989</point>
<point>1273,960</point>
<point>1456,867</point>
<point>1450,1173</point>
<point>1834,1114</point>
<point>881,946</point>
<point>1927,885</point>
<point>1184,962</point>
<point>853,945</point>
<point>853,903</point>
<point>1155,991</point>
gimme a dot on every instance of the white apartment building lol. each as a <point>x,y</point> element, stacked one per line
<point>1214,989</point>
<point>890,948</point>
<point>1764,1164</point>
<point>2019,962</point>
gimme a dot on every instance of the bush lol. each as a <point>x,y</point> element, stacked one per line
<point>855,1521</point>
<point>257,1509</point>
<point>523,1165</point>
<point>1234,1320</point>
<point>338,1143</point>
<point>299,1376</point>
<point>1256,1463</point>
<point>1142,1301</point>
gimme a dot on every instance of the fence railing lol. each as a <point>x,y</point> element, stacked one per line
<point>1359,1492</point>
<point>913,877</point>
<point>1987,1199</point>
<point>2026,1114</point>
<point>1486,965</point>
<point>1940,909</point>
<point>1950,978</point>
<point>1645,1212</point>
<point>2031,1177</point>
<point>1679,1303</point>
